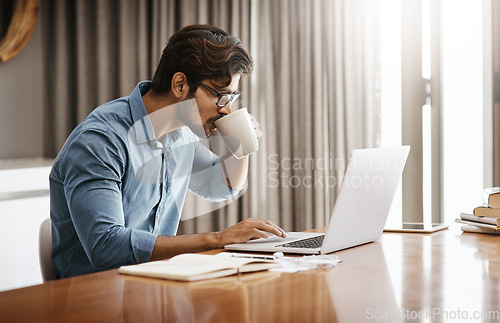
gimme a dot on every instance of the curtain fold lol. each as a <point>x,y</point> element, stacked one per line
<point>315,88</point>
<point>93,52</point>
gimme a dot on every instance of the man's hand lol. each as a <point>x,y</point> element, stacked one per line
<point>248,229</point>
<point>166,247</point>
<point>234,171</point>
<point>256,126</point>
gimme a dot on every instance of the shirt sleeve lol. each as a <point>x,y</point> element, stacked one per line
<point>91,170</point>
<point>207,180</point>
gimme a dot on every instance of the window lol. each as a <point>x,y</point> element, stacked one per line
<point>434,72</point>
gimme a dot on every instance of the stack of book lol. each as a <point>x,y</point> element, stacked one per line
<point>485,218</point>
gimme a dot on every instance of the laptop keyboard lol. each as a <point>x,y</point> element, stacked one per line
<point>314,242</point>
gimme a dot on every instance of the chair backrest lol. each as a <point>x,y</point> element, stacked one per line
<point>45,250</point>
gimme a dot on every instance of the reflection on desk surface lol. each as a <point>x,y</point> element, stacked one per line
<point>486,248</point>
<point>446,271</point>
<point>367,281</point>
<point>254,297</point>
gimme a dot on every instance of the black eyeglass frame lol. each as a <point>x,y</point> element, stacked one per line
<point>232,97</point>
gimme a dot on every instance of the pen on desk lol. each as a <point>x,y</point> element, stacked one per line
<point>239,255</point>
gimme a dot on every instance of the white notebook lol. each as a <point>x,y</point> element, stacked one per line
<point>192,267</point>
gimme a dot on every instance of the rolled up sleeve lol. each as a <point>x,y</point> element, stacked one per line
<point>207,180</point>
<point>92,171</point>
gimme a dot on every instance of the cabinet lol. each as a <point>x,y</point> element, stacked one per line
<point>24,204</point>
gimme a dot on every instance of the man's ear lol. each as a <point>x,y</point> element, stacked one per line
<point>180,87</point>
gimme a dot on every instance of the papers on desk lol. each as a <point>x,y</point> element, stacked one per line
<point>295,264</point>
<point>291,264</point>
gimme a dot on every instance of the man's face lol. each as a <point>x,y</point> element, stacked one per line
<point>207,102</point>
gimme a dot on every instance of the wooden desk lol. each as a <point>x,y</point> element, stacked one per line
<point>445,276</point>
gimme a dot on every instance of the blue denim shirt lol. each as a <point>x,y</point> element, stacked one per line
<point>114,188</point>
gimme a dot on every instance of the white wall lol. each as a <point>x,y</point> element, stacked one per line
<point>24,203</point>
<point>21,101</point>
<point>21,116</point>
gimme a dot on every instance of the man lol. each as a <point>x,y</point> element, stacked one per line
<point>118,184</point>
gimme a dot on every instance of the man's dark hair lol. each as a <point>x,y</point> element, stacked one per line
<point>201,52</point>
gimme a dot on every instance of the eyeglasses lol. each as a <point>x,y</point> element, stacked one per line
<point>224,98</point>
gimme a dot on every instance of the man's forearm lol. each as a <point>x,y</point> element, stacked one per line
<point>248,229</point>
<point>167,247</point>
<point>234,171</point>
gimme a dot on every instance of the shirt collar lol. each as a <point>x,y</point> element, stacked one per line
<point>143,128</point>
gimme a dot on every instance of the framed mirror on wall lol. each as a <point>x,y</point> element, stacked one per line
<point>7,9</point>
<point>17,21</point>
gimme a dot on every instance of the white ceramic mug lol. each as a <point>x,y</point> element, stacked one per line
<point>238,133</point>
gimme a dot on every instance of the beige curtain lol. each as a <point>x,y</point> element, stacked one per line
<point>315,88</point>
<point>94,51</point>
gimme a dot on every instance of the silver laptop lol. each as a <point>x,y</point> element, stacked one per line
<point>360,211</point>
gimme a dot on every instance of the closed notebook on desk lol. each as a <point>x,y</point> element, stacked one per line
<point>192,267</point>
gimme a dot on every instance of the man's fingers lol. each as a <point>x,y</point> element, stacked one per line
<point>268,226</point>
<point>258,133</point>
<point>249,229</point>
<point>281,232</point>
<point>258,234</point>
<point>256,126</point>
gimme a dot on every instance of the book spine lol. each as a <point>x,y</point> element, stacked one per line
<point>474,229</point>
<point>480,219</point>
<point>487,194</point>
<point>482,211</point>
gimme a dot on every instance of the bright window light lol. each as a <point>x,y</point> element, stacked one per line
<point>462,77</point>
<point>391,89</point>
